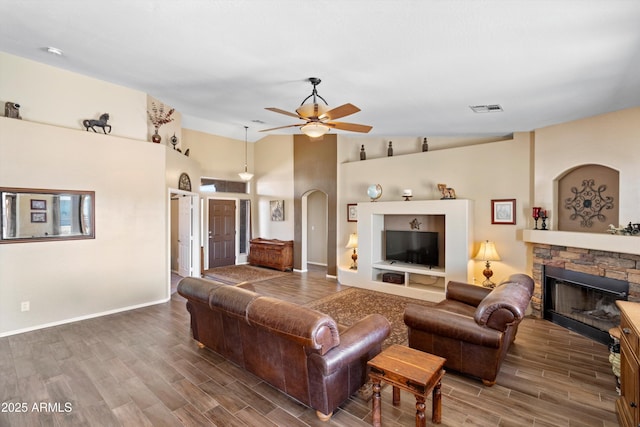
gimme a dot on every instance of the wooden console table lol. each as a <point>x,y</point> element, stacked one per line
<point>411,370</point>
<point>271,253</point>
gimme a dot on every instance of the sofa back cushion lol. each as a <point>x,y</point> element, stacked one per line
<point>466,293</point>
<point>307,327</point>
<point>506,304</point>
<point>232,299</point>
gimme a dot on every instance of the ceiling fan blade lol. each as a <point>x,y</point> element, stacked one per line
<point>282,127</point>
<point>286,113</point>
<point>341,111</point>
<point>353,127</point>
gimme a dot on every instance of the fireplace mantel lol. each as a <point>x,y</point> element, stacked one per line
<point>594,241</point>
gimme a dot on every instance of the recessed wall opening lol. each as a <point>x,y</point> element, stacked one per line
<point>588,199</point>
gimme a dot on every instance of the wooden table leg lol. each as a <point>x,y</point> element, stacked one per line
<point>420,407</point>
<point>436,416</point>
<point>376,410</point>
<point>396,396</point>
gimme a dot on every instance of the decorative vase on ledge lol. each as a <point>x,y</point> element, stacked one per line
<point>156,137</point>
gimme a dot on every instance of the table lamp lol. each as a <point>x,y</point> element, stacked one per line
<point>353,244</point>
<point>487,253</point>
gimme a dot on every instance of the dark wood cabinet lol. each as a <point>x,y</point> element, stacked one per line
<point>271,253</point>
<point>627,405</point>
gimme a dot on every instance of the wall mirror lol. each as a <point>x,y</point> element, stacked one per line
<point>36,215</point>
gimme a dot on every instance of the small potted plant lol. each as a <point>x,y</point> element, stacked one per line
<point>158,117</point>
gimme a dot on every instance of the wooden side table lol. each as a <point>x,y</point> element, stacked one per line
<point>411,370</point>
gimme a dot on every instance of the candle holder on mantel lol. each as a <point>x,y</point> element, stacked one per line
<point>543,217</point>
<point>536,216</point>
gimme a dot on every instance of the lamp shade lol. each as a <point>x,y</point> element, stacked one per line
<point>245,176</point>
<point>487,252</point>
<point>314,129</point>
<point>353,241</point>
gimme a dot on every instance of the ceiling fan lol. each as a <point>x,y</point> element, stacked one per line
<point>319,119</point>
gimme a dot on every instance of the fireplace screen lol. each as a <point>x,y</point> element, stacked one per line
<point>583,302</point>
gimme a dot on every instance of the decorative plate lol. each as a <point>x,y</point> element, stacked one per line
<point>374,192</point>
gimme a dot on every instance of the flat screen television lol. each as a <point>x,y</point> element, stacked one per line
<point>413,247</point>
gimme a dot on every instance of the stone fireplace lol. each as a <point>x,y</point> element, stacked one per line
<point>611,266</point>
<point>582,302</point>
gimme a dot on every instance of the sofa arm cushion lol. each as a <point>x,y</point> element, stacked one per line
<point>355,341</point>
<point>504,306</point>
<point>195,288</point>
<point>450,325</point>
<point>466,293</point>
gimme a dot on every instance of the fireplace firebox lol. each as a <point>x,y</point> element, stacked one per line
<point>582,302</point>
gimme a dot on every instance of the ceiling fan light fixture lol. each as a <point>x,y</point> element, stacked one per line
<point>315,129</point>
<point>312,110</point>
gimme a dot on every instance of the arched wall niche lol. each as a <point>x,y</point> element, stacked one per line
<point>588,198</point>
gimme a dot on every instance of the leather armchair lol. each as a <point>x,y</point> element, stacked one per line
<point>472,327</point>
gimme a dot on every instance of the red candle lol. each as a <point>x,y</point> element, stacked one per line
<point>536,212</point>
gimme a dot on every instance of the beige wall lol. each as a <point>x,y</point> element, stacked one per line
<point>218,157</point>
<point>481,172</point>
<point>274,181</point>
<point>127,264</point>
<point>609,139</point>
<point>51,95</point>
<point>124,266</point>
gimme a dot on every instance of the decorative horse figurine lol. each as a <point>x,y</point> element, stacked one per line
<point>101,123</point>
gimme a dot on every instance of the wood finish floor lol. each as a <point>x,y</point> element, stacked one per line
<point>141,368</point>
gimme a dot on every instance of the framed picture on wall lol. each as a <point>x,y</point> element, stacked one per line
<point>38,205</point>
<point>352,212</point>
<point>38,217</point>
<point>277,210</point>
<point>503,211</point>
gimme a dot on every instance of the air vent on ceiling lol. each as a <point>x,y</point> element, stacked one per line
<point>491,108</point>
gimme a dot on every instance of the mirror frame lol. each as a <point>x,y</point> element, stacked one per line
<point>49,192</point>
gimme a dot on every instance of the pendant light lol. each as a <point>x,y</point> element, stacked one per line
<point>245,176</point>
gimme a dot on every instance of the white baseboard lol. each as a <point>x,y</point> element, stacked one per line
<point>76,319</point>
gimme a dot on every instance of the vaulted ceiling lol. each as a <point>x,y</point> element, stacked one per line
<point>413,67</point>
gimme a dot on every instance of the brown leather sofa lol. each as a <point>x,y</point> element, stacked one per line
<point>300,351</point>
<point>473,327</point>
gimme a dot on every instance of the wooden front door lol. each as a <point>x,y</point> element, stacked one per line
<point>222,233</point>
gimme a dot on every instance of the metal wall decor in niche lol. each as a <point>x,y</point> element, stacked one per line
<point>589,203</point>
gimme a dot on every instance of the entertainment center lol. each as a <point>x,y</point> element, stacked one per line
<point>448,221</point>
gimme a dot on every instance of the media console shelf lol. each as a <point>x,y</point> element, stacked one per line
<point>419,281</point>
<point>415,276</point>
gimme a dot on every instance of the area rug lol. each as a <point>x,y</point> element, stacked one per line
<point>234,274</point>
<point>348,306</point>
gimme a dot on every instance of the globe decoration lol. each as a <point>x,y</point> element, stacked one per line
<point>374,192</point>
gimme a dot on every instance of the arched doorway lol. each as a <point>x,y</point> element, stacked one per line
<point>314,229</point>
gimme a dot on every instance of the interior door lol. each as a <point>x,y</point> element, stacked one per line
<point>222,233</point>
<point>185,236</point>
